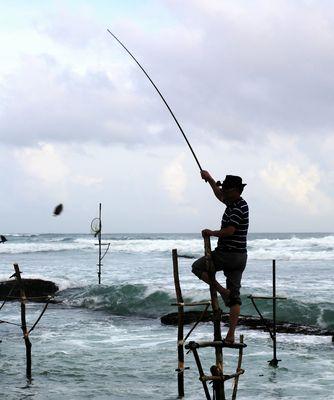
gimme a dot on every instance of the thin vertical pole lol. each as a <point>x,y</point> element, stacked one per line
<point>219,385</point>
<point>99,238</point>
<point>274,310</point>
<point>180,315</point>
<point>274,361</point>
<point>236,379</point>
<point>23,322</point>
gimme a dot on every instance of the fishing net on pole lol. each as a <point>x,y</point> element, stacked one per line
<point>96,226</point>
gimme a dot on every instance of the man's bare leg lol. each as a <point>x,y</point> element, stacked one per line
<point>220,289</point>
<point>234,310</point>
<point>233,320</point>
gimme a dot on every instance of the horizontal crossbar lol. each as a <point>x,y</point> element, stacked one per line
<point>217,343</point>
<point>266,297</point>
<point>198,303</point>
<point>179,370</point>
<point>223,377</point>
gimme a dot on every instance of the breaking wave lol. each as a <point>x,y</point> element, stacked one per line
<point>137,300</point>
<point>123,300</point>
<point>41,247</point>
<point>295,248</point>
<point>318,314</point>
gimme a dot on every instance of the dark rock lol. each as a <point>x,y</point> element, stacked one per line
<point>35,289</point>
<point>251,322</point>
<point>189,317</point>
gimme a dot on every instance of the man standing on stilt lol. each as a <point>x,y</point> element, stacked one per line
<point>230,255</point>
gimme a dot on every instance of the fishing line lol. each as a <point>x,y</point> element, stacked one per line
<point>162,97</point>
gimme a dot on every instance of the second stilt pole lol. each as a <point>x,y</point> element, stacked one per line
<point>180,348</point>
<point>274,361</point>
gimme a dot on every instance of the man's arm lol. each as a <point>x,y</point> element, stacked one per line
<point>224,232</point>
<point>208,178</point>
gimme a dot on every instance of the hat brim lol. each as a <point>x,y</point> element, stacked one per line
<point>231,186</point>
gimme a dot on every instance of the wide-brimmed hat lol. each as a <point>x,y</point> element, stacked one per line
<point>232,181</point>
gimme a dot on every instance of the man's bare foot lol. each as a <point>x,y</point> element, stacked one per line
<point>229,339</point>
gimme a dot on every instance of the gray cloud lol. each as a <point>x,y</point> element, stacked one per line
<point>251,85</point>
<point>262,66</point>
<point>227,70</point>
<point>46,102</point>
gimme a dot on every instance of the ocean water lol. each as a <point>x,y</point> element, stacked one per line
<point>106,341</point>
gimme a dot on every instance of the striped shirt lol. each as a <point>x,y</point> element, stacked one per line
<point>236,214</point>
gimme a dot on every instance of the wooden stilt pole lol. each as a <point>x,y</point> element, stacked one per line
<point>197,322</point>
<point>180,348</point>
<point>23,322</point>
<point>201,373</point>
<point>219,370</point>
<point>236,379</point>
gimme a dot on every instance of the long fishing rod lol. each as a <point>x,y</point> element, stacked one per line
<point>162,97</point>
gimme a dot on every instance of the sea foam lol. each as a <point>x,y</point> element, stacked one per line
<point>294,248</point>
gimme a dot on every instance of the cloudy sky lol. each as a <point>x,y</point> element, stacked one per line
<point>251,83</point>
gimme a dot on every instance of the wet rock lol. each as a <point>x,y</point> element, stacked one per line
<point>35,289</point>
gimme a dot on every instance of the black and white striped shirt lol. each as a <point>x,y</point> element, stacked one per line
<point>236,214</point>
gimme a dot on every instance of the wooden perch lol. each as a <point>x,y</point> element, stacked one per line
<point>216,344</point>
<point>217,376</point>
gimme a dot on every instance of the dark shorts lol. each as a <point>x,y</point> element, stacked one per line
<point>232,264</point>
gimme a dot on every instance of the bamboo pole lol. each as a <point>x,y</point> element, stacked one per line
<point>201,374</point>
<point>236,379</point>
<point>197,322</point>
<point>180,348</point>
<point>23,322</point>
<point>218,386</point>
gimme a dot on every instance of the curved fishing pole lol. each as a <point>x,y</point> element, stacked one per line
<point>162,97</point>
